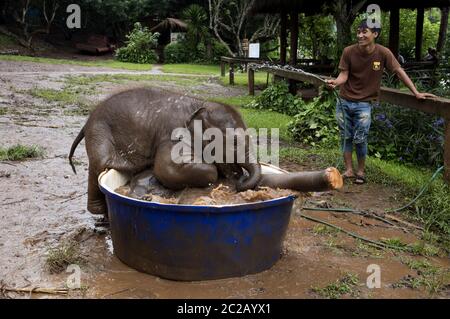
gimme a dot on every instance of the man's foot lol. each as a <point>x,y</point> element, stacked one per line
<point>348,175</point>
<point>360,179</point>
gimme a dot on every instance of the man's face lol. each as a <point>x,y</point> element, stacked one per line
<point>365,36</point>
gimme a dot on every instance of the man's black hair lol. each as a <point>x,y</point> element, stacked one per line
<point>363,25</point>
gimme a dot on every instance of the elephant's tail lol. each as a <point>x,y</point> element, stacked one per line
<point>74,146</point>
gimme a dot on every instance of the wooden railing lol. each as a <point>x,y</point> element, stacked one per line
<point>439,106</point>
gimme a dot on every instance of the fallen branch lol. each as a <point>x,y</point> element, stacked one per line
<point>15,202</point>
<point>377,244</point>
<point>52,291</point>
<point>72,198</point>
<point>398,220</point>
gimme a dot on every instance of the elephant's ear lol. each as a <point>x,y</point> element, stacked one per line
<point>195,114</point>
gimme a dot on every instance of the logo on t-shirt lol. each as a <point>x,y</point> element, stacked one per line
<point>376,65</point>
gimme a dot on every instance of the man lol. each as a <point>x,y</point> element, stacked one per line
<point>361,68</point>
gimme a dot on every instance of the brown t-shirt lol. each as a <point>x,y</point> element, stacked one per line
<point>365,71</point>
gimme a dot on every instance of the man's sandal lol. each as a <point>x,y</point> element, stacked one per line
<point>348,177</point>
<point>360,179</point>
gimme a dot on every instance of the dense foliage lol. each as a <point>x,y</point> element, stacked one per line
<point>181,52</point>
<point>396,133</point>
<point>139,47</point>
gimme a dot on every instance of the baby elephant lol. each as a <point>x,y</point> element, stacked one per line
<point>132,131</point>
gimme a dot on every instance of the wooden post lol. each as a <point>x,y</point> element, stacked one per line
<point>419,33</point>
<point>447,151</point>
<point>222,68</point>
<point>294,47</point>
<point>251,81</point>
<point>294,37</point>
<point>231,73</point>
<point>394,31</point>
<point>283,37</point>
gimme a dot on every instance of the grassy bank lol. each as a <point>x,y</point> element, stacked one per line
<point>110,63</point>
<point>204,69</point>
<point>432,209</point>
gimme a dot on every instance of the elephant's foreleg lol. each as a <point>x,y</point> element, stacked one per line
<point>177,176</point>
<point>315,181</point>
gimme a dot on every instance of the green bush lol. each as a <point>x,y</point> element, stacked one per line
<point>184,52</point>
<point>277,98</point>
<point>176,53</point>
<point>218,50</point>
<point>315,123</point>
<point>404,135</point>
<point>139,46</point>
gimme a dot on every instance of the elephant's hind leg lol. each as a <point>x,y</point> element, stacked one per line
<point>96,199</point>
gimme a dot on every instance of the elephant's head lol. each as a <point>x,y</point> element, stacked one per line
<point>238,152</point>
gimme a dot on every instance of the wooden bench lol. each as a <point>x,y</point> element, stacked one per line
<point>96,44</point>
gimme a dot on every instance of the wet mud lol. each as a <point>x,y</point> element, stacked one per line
<point>42,204</point>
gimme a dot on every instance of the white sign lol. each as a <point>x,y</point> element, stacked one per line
<point>253,50</point>
<point>175,36</point>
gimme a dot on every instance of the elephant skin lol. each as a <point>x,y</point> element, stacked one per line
<point>131,131</point>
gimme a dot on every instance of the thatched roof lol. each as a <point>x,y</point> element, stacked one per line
<point>171,24</point>
<point>316,6</point>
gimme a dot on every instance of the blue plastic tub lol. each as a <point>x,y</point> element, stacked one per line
<point>186,242</point>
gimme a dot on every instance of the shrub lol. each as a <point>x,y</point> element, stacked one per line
<point>315,123</point>
<point>176,53</point>
<point>139,46</point>
<point>277,98</point>
<point>218,50</point>
<point>184,52</point>
<point>401,134</point>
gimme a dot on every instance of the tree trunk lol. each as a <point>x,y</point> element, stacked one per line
<point>344,34</point>
<point>283,37</point>
<point>442,30</point>
<point>344,13</point>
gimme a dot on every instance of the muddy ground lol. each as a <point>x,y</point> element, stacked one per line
<point>43,206</point>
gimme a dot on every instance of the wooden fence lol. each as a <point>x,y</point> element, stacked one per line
<point>439,106</point>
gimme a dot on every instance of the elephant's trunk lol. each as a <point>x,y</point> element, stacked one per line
<point>254,171</point>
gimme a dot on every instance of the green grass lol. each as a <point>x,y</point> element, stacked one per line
<point>237,101</point>
<point>52,95</point>
<point>430,277</point>
<point>3,111</point>
<point>192,69</point>
<point>433,207</point>
<point>20,152</point>
<point>347,285</point>
<point>325,230</point>
<point>5,40</point>
<point>62,256</point>
<point>110,63</point>
<point>123,78</point>
<point>241,78</point>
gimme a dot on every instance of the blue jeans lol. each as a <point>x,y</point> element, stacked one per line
<point>355,128</point>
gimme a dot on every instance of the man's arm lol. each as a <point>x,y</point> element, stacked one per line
<point>341,79</point>
<point>405,79</point>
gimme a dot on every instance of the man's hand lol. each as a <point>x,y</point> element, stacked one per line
<point>423,96</point>
<point>331,83</point>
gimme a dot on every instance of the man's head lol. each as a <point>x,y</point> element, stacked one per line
<point>367,35</point>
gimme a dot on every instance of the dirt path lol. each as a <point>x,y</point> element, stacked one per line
<point>42,205</point>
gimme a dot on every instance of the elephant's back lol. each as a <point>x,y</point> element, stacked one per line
<point>151,104</point>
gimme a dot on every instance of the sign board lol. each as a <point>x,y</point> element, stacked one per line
<point>253,50</point>
<point>175,36</point>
